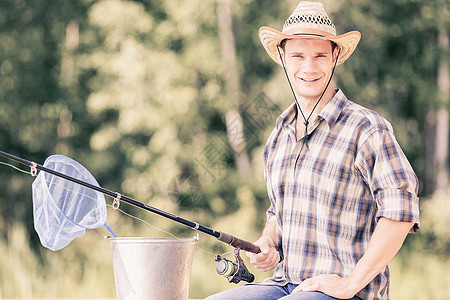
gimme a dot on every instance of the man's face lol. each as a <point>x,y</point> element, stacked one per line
<point>309,64</point>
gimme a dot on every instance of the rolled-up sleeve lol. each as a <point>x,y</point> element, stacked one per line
<point>388,173</point>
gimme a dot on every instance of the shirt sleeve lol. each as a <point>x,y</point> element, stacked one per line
<point>391,179</point>
<point>270,213</point>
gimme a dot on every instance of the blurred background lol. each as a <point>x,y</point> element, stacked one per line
<point>171,101</point>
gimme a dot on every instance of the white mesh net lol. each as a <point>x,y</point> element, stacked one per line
<point>63,210</point>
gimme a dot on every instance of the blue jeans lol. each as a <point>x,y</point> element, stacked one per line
<point>269,292</point>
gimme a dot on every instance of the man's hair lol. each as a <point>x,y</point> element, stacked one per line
<point>283,45</point>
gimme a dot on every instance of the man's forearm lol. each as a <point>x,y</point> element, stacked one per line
<point>386,241</point>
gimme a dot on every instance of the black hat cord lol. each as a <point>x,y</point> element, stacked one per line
<point>306,120</point>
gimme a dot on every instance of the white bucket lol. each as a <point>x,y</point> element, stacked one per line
<point>152,268</point>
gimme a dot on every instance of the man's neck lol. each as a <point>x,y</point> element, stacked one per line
<point>309,105</point>
<point>310,110</point>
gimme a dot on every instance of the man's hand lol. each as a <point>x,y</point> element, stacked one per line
<point>332,285</point>
<point>269,257</point>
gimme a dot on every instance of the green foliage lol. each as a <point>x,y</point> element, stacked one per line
<point>394,68</point>
<point>135,91</point>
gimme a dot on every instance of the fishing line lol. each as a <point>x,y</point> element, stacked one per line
<point>131,216</point>
<point>16,168</point>
<point>67,200</point>
<point>109,205</point>
<point>156,228</point>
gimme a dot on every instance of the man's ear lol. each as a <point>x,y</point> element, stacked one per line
<point>336,53</point>
<point>280,54</point>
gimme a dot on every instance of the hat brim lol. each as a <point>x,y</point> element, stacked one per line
<point>271,38</point>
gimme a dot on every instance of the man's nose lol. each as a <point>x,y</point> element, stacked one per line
<point>309,65</point>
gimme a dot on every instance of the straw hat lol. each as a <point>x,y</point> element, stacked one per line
<point>309,20</point>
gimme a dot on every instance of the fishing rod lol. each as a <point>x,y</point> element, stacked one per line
<point>234,271</point>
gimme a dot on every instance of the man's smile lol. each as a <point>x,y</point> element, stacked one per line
<point>308,79</point>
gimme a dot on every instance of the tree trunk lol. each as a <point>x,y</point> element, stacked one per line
<point>430,140</point>
<point>234,123</point>
<point>437,130</point>
<point>442,119</point>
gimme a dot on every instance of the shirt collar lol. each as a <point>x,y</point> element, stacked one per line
<point>329,113</point>
<point>332,110</point>
<point>287,117</point>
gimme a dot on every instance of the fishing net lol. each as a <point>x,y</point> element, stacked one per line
<point>63,210</point>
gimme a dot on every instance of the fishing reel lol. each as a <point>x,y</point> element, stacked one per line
<point>234,271</point>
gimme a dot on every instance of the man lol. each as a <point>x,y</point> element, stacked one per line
<point>343,195</point>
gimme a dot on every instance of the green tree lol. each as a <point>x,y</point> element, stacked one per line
<point>33,101</point>
<point>394,70</point>
<point>138,92</point>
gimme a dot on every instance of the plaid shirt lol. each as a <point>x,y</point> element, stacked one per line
<point>327,193</point>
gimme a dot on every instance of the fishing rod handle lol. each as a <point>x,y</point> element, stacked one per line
<point>238,243</point>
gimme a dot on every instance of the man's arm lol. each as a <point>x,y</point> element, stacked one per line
<point>386,241</point>
<point>269,257</point>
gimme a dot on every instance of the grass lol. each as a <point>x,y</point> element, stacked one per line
<point>84,268</point>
